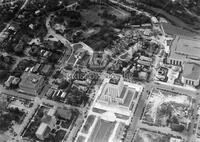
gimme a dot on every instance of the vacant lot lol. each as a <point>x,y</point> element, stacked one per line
<point>166,109</point>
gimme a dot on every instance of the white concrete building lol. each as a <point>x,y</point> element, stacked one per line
<point>191,74</point>
<point>43,131</point>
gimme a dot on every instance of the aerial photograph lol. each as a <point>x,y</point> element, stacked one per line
<point>99,70</point>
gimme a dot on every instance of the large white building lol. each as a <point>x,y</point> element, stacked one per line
<point>43,131</point>
<point>31,83</point>
<point>115,91</point>
<point>191,74</point>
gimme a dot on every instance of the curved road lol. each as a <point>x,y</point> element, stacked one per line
<point>60,38</point>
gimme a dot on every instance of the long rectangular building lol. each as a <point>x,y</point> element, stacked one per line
<point>184,49</point>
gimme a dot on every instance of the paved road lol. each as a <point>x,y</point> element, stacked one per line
<point>15,93</point>
<point>175,88</point>
<point>194,120</point>
<point>138,113</point>
<point>41,100</point>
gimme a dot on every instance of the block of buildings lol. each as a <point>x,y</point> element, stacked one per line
<point>31,83</point>
<point>48,122</point>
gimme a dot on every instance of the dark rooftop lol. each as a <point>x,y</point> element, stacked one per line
<point>115,79</point>
<point>123,92</point>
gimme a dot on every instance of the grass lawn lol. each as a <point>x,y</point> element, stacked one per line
<point>81,139</point>
<point>88,124</point>
<point>9,115</point>
<point>102,131</point>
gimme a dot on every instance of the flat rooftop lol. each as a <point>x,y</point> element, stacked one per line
<point>188,46</point>
<point>191,71</point>
<point>185,47</point>
<point>31,80</point>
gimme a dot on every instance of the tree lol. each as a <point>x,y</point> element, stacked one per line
<point>177,127</point>
<point>3,75</point>
<point>19,49</point>
<point>63,85</point>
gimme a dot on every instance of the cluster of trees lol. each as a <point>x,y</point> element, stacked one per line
<point>5,65</point>
<point>22,65</point>
<point>6,13</point>
<point>172,120</point>
<point>156,3</point>
<point>64,84</point>
<point>39,27</point>
<point>74,17</point>
<point>12,114</point>
<point>107,15</point>
<point>14,44</point>
<point>139,19</point>
<point>76,98</point>
<point>102,39</point>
